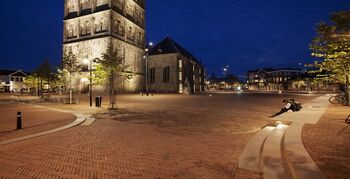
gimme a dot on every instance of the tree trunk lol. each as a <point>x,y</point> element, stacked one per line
<point>347,90</point>
<point>41,88</point>
<point>48,88</point>
<point>112,98</point>
<point>70,90</point>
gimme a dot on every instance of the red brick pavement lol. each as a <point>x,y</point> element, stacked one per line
<point>191,139</point>
<point>328,142</point>
<point>35,119</point>
<point>112,149</point>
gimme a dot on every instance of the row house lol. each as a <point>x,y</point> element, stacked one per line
<point>271,79</point>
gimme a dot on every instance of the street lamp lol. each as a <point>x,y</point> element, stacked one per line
<point>225,70</point>
<point>89,63</point>
<point>149,45</point>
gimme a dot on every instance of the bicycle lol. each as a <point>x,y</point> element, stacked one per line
<point>338,99</point>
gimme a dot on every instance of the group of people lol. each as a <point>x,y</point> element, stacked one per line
<point>289,104</point>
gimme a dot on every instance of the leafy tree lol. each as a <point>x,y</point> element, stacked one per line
<point>70,67</point>
<point>32,82</point>
<point>111,71</point>
<point>332,45</point>
<point>44,74</point>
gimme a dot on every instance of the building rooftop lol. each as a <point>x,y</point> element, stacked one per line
<point>9,72</point>
<point>168,46</point>
<point>275,69</point>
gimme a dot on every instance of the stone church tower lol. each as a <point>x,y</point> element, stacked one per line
<point>90,26</point>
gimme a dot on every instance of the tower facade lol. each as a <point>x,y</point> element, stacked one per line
<point>90,26</point>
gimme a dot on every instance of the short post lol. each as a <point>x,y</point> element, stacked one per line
<point>19,120</point>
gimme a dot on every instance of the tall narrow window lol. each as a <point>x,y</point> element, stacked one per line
<point>180,65</point>
<point>166,75</point>
<point>152,76</point>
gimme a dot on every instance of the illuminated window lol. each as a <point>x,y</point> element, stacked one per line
<point>180,88</point>
<point>180,64</point>
<point>180,76</point>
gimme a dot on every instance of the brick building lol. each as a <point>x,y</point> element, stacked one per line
<point>174,69</point>
<point>272,79</point>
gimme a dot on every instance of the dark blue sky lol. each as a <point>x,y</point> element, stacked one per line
<point>244,34</point>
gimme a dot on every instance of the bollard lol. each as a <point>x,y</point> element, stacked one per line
<point>19,120</point>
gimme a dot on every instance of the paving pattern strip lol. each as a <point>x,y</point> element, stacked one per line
<point>77,122</point>
<point>283,153</point>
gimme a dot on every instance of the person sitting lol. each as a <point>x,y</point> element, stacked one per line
<point>287,106</point>
<point>296,105</point>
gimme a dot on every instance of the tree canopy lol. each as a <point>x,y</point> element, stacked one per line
<point>111,70</point>
<point>332,45</point>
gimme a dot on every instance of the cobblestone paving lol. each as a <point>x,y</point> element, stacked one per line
<point>111,149</point>
<point>328,142</point>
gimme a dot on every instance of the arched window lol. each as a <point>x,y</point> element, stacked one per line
<point>130,34</point>
<point>86,29</point>
<point>118,27</point>
<point>101,26</point>
<point>70,32</point>
<point>85,4</point>
<point>118,5</point>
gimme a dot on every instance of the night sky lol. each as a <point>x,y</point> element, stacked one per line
<point>244,34</point>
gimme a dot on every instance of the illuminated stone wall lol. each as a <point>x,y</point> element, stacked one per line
<point>90,26</point>
<point>159,62</point>
<point>184,74</point>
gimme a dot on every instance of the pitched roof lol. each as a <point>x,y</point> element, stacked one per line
<point>13,72</point>
<point>274,69</point>
<point>168,46</point>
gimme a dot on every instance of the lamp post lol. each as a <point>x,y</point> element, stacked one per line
<point>89,63</point>
<point>150,44</point>
<point>225,71</point>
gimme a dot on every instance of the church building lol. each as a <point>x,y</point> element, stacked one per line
<point>90,26</point>
<point>173,69</point>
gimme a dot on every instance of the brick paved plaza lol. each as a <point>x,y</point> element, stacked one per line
<point>161,136</point>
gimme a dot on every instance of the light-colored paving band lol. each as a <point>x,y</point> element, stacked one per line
<point>299,162</point>
<point>272,154</point>
<point>78,121</point>
<point>283,153</point>
<point>250,158</point>
<point>88,121</point>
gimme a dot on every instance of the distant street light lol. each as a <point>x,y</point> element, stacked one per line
<point>148,46</point>
<point>225,70</point>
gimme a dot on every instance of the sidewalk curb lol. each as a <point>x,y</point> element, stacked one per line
<point>80,119</point>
